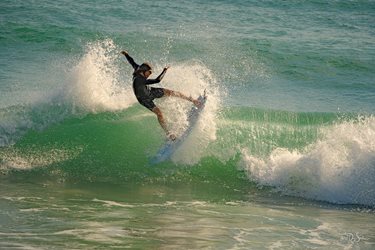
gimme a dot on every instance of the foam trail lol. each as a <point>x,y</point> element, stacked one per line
<point>15,159</point>
<point>339,168</point>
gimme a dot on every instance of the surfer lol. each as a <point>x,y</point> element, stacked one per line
<point>145,94</point>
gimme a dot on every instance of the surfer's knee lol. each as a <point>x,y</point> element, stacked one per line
<point>168,92</point>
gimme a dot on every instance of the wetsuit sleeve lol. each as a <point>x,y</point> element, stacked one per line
<point>157,79</point>
<point>132,62</point>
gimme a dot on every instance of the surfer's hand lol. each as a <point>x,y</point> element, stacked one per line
<point>124,52</point>
<point>166,68</point>
<point>197,103</point>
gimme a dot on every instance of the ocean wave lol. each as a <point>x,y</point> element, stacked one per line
<point>311,155</point>
<point>338,168</point>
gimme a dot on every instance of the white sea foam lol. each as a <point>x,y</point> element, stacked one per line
<point>113,203</point>
<point>14,159</point>
<point>338,168</point>
<point>94,84</point>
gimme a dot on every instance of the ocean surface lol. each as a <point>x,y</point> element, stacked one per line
<point>283,156</point>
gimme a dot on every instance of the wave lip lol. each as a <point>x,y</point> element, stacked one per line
<point>338,168</point>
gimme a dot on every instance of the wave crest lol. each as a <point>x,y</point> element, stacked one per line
<point>338,168</point>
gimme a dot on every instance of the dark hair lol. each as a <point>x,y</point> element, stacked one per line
<point>142,68</point>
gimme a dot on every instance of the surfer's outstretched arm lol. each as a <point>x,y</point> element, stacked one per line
<point>157,79</point>
<point>130,60</point>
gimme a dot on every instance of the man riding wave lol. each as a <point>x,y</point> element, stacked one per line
<point>146,94</point>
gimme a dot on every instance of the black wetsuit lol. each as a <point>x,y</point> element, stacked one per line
<point>145,94</point>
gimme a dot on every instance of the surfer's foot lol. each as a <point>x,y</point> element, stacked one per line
<point>171,137</point>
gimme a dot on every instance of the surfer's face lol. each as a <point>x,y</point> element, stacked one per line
<point>147,73</point>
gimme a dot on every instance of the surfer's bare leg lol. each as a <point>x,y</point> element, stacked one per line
<point>168,92</point>
<point>161,120</point>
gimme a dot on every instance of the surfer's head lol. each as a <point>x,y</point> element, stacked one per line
<point>145,68</point>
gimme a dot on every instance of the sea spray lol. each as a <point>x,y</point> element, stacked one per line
<point>95,83</point>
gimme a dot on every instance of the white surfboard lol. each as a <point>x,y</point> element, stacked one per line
<point>168,149</point>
